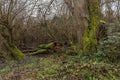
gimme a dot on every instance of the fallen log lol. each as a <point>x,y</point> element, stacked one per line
<point>39,52</point>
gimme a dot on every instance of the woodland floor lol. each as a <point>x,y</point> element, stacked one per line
<point>59,67</point>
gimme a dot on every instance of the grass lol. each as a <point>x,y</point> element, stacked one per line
<point>63,67</point>
<point>5,70</point>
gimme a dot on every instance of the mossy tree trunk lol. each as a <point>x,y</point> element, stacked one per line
<point>9,45</point>
<point>13,51</point>
<point>90,39</point>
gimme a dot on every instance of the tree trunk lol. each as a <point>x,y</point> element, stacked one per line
<point>90,39</point>
<point>11,35</point>
<point>87,14</point>
<point>14,51</point>
<point>79,10</point>
<point>10,47</point>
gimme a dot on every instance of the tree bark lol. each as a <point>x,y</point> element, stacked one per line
<point>90,38</point>
<point>79,10</point>
<point>87,15</point>
<point>10,47</point>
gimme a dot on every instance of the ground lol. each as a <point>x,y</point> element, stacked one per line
<point>59,66</point>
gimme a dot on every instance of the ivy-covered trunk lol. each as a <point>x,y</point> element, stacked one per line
<point>90,39</point>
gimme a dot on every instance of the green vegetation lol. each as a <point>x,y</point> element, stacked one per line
<point>5,70</point>
<point>46,46</point>
<point>43,48</point>
<point>66,67</point>
<point>90,39</point>
<point>16,53</point>
<point>59,40</point>
<point>39,52</point>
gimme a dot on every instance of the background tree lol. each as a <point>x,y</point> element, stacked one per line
<point>10,12</point>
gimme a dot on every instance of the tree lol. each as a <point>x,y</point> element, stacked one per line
<point>87,13</point>
<point>10,11</point>
<point>90,38</point>
<point>79,11</point>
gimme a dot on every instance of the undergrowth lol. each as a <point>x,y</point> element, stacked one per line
<point>62,67</point>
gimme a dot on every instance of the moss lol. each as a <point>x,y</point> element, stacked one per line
<point>15,52</point>
<point>10,51</point>
<point>90,38</point>
<point>46,46</point>
<point>102,22</point>
<point>5,70</point>
<point>39,51</point>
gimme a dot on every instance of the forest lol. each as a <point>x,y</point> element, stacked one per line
<point>59,39</point>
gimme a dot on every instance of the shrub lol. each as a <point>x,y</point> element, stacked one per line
<point>111,48</point>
